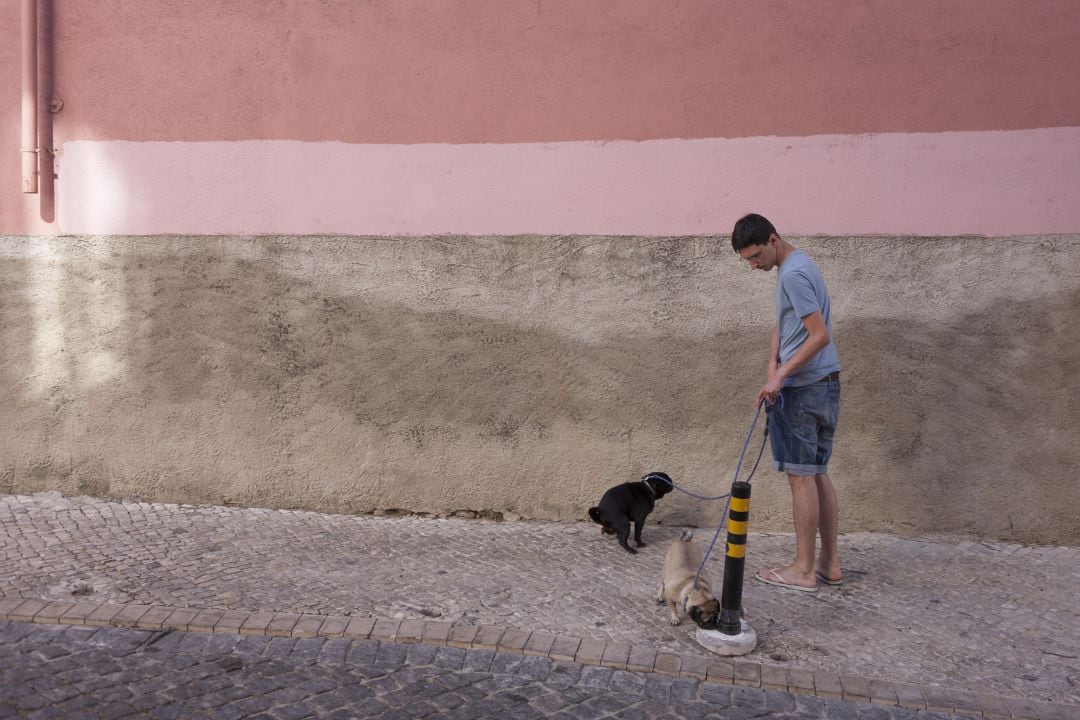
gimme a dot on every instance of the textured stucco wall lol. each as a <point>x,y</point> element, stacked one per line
<point>524,375</point>
<point>357,256</point>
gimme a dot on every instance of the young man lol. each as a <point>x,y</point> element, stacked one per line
<point>802,395</point>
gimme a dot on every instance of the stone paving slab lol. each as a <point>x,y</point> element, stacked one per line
<point>950,620</point>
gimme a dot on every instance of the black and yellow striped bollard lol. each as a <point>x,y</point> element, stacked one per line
<point>733,635</point>
<point>735,559</point>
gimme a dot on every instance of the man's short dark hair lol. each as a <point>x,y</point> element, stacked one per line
<point>752,229</point>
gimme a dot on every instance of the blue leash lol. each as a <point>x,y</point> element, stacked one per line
<point>695,495</point>
<point>737,467</point>
<point>727,505</point>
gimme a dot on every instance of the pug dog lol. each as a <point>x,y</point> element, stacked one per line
<point>630,501</point>
<point>677,585</point>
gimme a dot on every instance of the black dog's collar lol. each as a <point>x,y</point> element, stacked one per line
<point>647,485</point>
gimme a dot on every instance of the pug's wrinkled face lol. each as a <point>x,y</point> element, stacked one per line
<point>706,616</point>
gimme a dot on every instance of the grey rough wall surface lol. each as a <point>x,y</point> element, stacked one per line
<point>522,376</point>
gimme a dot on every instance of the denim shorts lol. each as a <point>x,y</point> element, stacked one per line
<point>801,426</point>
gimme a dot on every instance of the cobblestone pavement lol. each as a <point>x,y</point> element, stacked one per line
<point>985,617</point>
<point>49,671</point>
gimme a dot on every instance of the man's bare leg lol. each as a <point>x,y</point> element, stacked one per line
<point>828,564</point>
<point>804,509</point>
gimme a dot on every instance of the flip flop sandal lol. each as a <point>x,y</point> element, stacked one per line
<point>829,581</point>
<point>781,582</point>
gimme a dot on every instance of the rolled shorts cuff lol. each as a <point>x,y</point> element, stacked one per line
<point>801,470</point>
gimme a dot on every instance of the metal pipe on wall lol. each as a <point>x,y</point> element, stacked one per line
<point>29,145</point>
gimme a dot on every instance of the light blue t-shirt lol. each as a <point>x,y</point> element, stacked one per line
<point>800,290</point>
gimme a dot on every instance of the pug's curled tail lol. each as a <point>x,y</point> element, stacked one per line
<point>687,535</point>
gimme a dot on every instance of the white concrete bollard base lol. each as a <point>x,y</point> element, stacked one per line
<point>721,644</point>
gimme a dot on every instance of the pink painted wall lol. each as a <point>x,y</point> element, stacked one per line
<point>849,106</point>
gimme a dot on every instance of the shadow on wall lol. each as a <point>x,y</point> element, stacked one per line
<point>234,381</point>
<point>970,425</point>
<point>242,382</point>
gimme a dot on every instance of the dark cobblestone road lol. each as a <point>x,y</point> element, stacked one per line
<point>53,671</point>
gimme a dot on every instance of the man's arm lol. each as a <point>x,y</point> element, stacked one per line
<point>817,340</point>
<point>774,353</point>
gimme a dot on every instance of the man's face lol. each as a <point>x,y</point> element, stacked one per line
<point>760,257</point>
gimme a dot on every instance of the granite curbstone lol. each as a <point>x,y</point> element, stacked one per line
<point>359,628</point>
<point>855,689</point>
<point>827,685</point>
<point>590,652</point>
<point>410,631</point>
<point>937,699</point>
<point>282,624</point>
<point>695,667</point>
<point>909,696</point>
<point>154,618</point>
<point>9,605</point>
<point>437,632</point>
<point>747,673</point>
<point>642,658</point>
<point>79,613</point>
<point>540,643</point>
<point>462,636</point>
<point>179,619</point>
<point>992,705</point>
<point>513,641</point>
<point>26,610</point>
<point>564,648</point>
<point>668,663</point>
<point>334,626</point>
<point>385,630</point>
<point>616,655</point>
<point>307,626</point>
<point>231,621</point>
<point>487,637</point>
<point>800,682</point>
<point>205,621</point>
<point>129,616</point>
<point>774,677</point>
<point>102,617</point>
<point>52,611</point>
<point>256,623</point>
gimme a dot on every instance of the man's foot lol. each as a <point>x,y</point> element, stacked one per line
<point>829,573</point>
<point>773,577</point>
<point>838,580</point>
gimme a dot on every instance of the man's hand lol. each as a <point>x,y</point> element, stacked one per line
<point>770,390</point>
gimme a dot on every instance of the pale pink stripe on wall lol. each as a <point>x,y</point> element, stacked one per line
<point>990,183</point>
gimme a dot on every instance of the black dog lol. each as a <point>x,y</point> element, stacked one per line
<point>630,501</point>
